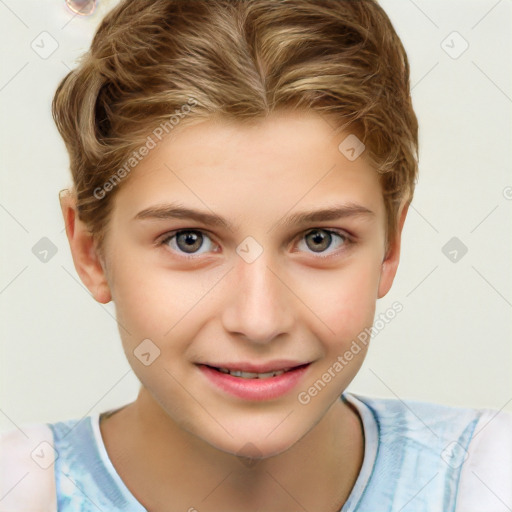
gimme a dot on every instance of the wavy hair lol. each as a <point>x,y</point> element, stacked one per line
<point>240,60</point>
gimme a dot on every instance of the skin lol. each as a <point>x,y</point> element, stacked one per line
<point>183,441</point>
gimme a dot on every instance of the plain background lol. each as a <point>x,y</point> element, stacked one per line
<point>61,355</point>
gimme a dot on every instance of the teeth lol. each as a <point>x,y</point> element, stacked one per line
<point>251,375</point>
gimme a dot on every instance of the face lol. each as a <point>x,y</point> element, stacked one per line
<point>247,248</point>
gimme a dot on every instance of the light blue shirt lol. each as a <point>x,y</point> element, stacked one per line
<point>414,452</point>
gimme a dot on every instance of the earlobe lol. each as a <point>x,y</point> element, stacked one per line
<point>392,257</point>
<point>84,250</point>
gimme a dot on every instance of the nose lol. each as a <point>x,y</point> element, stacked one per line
<point>260,306</point>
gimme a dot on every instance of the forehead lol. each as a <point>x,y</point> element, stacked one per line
<point>287,161</point>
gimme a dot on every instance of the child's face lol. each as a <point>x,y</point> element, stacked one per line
<point>302,300</point>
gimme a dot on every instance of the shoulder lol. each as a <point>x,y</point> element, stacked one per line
<point>413,418</point>
<point>428,412</point>
<point>468,449</point>
<point>480,427</point>
<point>27,478</point>
<point>486,476</point>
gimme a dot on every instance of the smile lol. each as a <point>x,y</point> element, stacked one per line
<point>251,384</point>
<point>251,375</point>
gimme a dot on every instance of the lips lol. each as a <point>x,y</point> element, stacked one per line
<point>238,372</point>
<point>270,366</point>
<point>251,375</point>
<point>255,382</point>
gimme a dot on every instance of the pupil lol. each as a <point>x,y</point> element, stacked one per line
<point>192,241</point>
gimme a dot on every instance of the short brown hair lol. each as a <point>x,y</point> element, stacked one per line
<point>241,60</point>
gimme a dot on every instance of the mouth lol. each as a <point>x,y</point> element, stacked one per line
<point>256,375</point>
<point>255,383</point>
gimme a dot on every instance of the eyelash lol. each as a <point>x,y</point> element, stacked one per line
<point>348,241</point>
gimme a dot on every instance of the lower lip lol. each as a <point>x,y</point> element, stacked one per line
<point>255,389</point>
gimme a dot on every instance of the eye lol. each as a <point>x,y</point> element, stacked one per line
<point>188,241</point>
<point>318,240</point>
<point>191,242</point>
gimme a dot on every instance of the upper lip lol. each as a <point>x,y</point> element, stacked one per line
<point>270,366</point>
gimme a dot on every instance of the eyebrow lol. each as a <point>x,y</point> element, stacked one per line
<point>177,211</point>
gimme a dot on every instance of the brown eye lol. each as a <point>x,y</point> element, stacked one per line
<point>320,240</point>
<point>188,241</point>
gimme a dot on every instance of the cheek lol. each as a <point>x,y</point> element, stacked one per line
<point>164,306</point>
<point>345,301</point>
<point>148,298</point>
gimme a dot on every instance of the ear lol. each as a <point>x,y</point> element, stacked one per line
<point>392,257</point>
<point>86,258</point>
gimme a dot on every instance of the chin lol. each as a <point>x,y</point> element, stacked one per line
<point>250,450</point>
<point>251,444</point>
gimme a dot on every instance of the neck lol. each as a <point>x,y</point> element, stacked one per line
<point>162,463</point>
